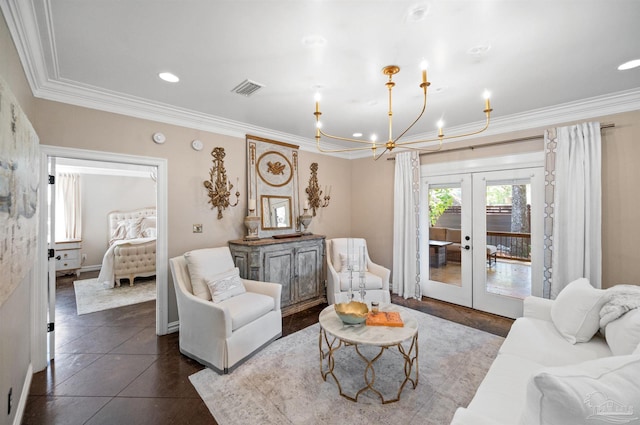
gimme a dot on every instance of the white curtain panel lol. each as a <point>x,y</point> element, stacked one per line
<point>68,207</point>
<point>577,215</point>
<point>406,204</point>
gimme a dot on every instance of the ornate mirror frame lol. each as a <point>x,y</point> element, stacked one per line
<point>272,173</point>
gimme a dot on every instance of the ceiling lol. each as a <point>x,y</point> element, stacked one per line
<point>544,62</point>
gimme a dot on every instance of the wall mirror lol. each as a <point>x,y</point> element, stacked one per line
<point>276,212</point>
<point>272,176</point>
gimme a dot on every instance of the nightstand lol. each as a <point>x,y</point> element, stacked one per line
<point>68,258</point>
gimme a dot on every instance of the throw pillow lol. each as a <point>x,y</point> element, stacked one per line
<point>623,334</point>
<point>576,311</point>
<point>225,285</point>
<point>201,268</point>
<point>597,391</point>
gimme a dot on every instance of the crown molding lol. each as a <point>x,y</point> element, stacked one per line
<point>46,84</point>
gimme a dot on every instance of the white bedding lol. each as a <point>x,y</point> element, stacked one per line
<point>107,272</point>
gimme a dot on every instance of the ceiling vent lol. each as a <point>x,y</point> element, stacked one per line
<point>247,88</point>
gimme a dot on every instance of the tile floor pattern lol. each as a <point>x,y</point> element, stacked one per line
<point>111,368</point>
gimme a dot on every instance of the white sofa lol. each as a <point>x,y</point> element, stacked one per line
<point>222,334</point>
<point>540,377</point>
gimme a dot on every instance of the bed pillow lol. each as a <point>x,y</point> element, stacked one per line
<point>623,334</point>
<point>576,311</point>
<point>225,285</point>
<point>595,391</point>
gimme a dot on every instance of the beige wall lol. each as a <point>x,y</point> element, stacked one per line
<point>372,188</point>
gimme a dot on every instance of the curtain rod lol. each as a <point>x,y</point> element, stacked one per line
<point>502,142</point>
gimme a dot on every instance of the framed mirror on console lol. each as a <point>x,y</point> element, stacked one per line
<point>272,176</point>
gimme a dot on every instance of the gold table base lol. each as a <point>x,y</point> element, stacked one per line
<point>327,363</point>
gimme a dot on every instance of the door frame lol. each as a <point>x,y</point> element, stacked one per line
<point>494,163</point>
<point>39,294</point>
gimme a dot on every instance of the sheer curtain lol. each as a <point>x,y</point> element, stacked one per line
<point>68,212</point>
<point>406,204</point>
<point>572,206</point>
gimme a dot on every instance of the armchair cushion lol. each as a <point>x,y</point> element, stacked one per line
<point>371,281</point>
<point>240,314</point>
<point>353,259</point>
<point>203,265</point>
<point>225,285</point>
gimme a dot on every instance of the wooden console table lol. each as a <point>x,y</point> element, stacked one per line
<point>297,263</point>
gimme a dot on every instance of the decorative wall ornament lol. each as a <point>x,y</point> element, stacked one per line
<point>19,191</point>
<point>218,186</point>
<point>314,194</point>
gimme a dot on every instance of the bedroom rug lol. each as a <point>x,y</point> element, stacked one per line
<point>282,384</point>
<point>92,296</point>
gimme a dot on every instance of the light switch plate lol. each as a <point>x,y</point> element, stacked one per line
<point>197,228</point>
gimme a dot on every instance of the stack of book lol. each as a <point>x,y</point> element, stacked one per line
<point>384,318</point>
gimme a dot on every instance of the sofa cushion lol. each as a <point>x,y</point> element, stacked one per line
<point>598,391</point>
<point>454,235</point>
<point>623,334</point>
<point>502,394</point>
<point>225,285</point>
<point>576,311</point>
<point>203,265</point>
<point>539,341</point>
<point>247,307</point>
<point>371,281</point>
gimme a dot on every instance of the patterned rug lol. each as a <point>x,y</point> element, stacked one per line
<point>282,383</point>
<point>92,296</point>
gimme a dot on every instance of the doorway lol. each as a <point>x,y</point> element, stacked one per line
<point>483,234</point>
<point>46,290</point>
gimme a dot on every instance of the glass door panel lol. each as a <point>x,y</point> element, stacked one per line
<point>447,226</point>
<point>507,225</point>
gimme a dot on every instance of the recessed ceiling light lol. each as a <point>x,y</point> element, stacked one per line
<point>629,65</point>
<point>418,12</point>
<point>479,50</point>
<point>314,41</point>
<point>357,134</point>
<point>169,77</point>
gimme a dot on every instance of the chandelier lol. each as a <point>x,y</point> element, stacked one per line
<point>395,142</point>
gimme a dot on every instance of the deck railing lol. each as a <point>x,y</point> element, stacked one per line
<point>511,245</point>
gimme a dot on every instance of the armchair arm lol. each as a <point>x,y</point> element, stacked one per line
<point>537,308</point>
<point>381,271</point>
<point>273,290</point>
<point>333,283</point>
<point>198,315</point>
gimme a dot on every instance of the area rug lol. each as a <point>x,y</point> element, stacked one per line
<point>282,383</point>
<point>92,296</point>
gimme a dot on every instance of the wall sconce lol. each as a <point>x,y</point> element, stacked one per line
<point>314,194</point>
<point>218,185</point>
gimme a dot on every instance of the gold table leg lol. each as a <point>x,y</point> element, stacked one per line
<point>410,357</point>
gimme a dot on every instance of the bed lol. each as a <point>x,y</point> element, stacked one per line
<point>132,247</point>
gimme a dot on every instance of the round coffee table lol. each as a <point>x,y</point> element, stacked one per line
<point>334,334</point>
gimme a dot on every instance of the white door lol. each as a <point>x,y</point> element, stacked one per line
<point>448,265</point>
<point>507,265</point>
<point>476,256</point>
<point>51,281</point>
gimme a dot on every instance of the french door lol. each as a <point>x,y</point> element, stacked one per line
<point>483,235</point>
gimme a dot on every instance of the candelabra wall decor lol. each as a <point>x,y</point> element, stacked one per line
<point>314,195</point>
<point>218,186</point>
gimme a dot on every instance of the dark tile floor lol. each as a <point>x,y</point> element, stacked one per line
<point>111,368</point>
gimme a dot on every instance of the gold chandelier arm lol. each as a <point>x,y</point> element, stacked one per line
<point>377,157</point>
<point>363,148</point>
<point>424,107</point>
<point>346,139</point>
<point>456,136</point>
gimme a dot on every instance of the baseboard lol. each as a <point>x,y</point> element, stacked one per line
<point>22,403</point>
<point>173,327</point>
<point>95,268</point>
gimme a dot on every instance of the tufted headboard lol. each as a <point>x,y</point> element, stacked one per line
<point>115,217</point>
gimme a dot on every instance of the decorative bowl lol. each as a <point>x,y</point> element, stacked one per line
<point>352,313</point>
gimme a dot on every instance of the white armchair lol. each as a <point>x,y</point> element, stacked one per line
<point>376,276</point>
<point>222,335</point>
